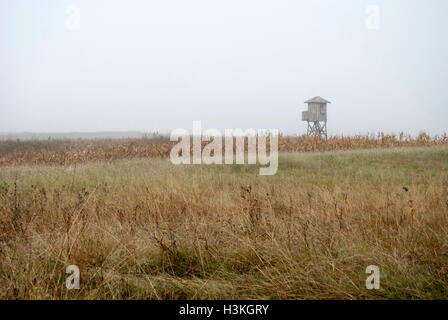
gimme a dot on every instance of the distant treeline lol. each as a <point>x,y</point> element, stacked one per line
<point>77,135</point>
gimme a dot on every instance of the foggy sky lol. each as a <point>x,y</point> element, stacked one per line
<point>158,65</point>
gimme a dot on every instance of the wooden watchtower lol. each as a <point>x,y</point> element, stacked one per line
<point>316,117</point>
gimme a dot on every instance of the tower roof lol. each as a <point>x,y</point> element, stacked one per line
<point>317,99</point>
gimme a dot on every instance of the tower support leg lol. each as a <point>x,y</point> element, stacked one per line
<point>317,129</point>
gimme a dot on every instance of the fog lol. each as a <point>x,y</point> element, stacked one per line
<point>159,65</point>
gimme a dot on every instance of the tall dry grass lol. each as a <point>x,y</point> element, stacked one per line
<point>145,229</point>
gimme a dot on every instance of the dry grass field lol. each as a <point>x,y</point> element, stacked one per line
<point>146,229</point>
